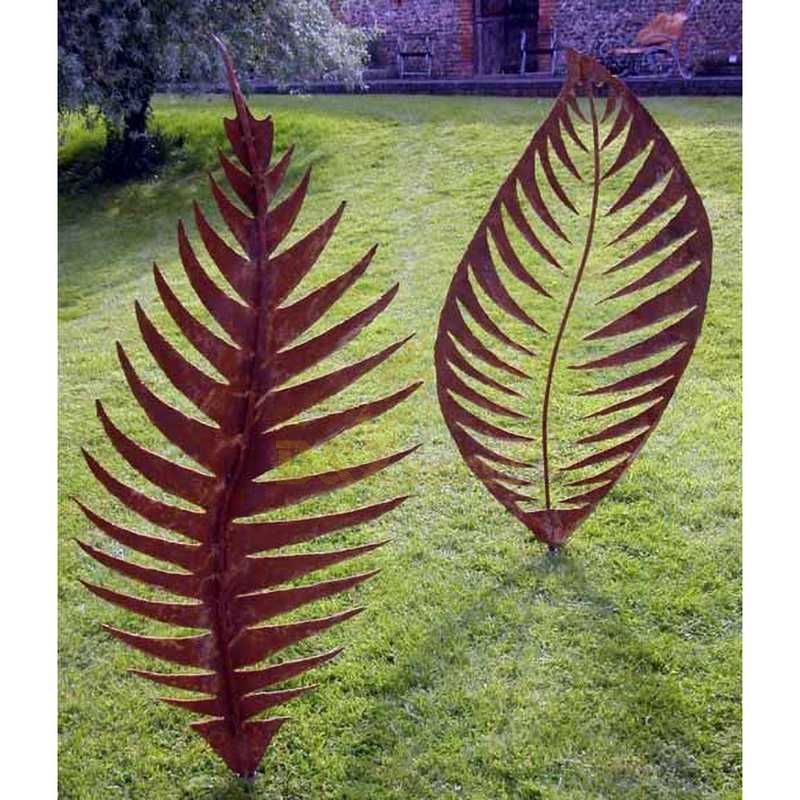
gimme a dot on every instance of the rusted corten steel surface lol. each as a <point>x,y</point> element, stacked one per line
<point>231,591</point>
<point>623,310</point>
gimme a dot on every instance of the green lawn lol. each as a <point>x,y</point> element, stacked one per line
<point>482,668</point>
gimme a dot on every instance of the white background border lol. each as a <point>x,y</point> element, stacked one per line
<point>772,399</point>
<point>28,399</point>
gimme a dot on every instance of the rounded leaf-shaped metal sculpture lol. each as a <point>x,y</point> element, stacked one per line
<point>576,307</point>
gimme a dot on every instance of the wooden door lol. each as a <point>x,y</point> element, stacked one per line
<point>498,31</point>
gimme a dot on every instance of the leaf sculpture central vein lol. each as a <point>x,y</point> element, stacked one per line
<point>234,589</point>
<point>587,247</point>
<point>663,272</point>
<point>230,480</point>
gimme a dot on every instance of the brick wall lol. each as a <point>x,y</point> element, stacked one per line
<point>547,13</point>
<point>548,9</point>
<point>450,22</point>
<point>714,30</point>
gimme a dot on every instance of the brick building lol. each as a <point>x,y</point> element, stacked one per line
<point>482,37</point>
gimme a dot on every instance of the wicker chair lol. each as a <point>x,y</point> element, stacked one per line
<point>660,35</point>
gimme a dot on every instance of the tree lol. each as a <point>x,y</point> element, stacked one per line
<point>113,53</point>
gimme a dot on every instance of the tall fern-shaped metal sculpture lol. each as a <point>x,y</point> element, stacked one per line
<point>232,590</point>
<point>606,304</point>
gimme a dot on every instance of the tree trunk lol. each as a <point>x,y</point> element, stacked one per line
<point>131,152</point>
<point>135,123</point>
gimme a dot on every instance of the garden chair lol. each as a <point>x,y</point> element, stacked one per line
<point>415,46</point>
<point>660,35</point>
<point>544,43</point>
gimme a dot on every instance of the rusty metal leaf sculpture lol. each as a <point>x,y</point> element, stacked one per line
<point>233,591</point>
<point>596,251</point>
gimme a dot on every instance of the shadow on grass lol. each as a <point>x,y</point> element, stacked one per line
<point>621,656</point>
<point>233,789</point>
<point>111,236</point>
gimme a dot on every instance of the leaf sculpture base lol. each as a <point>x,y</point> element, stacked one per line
<point>231,590</point>
<point>576,307</point>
